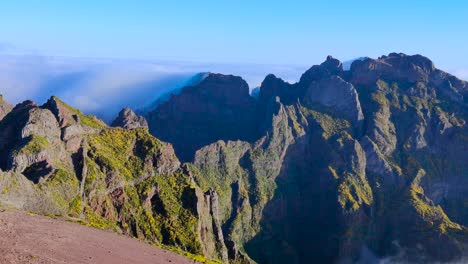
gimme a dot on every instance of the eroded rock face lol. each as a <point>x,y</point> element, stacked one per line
<point>74,125</point>
<point>210,230</point>
<point>5,107</point>
<point>395,66</point>
<point>361,144</point>
<point>10,128</point>
<point>338,94</point>
<point>129,120</point>
<point>41,139</point>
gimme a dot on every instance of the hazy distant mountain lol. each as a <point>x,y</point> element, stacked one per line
<point>347,64</point>
<point>99,87</point>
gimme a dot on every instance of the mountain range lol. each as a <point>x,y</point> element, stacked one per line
<point>348,165</point>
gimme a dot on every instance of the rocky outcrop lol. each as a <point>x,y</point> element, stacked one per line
<point>31,138</point>
<point>210,230</point>
<point>395,66</point>
<point>337,94</point>
<point>5,107</point>
<point>129,120</point>
<point>115,178</point>
<point>330,67</point>
<point>73,123</point>
<point>10,129</point>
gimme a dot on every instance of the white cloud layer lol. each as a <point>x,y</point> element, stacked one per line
<point>103,86</point>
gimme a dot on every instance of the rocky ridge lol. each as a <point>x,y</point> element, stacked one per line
<point>336,167</point>
<point>356,147</point>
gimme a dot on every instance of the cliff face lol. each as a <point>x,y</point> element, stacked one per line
<point>370,159</point>
<point>389,182</point>
<point>342,166</point>
<point>218,107</point>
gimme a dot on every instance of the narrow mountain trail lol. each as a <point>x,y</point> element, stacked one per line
<point>26,238</point>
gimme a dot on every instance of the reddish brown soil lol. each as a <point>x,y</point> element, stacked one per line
<point>26,238</point>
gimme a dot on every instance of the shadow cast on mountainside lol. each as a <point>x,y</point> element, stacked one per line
<point>300,223</point>
<point>218,107</point>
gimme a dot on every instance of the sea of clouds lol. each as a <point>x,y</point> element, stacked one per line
<point>103,86</point>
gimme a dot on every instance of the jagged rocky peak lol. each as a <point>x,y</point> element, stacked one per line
<point>395,66</point>
<point>68,116</point>
<point>129,120</point>
<point>330,66</point>
<point>333,65</point>
<point>73,123</point>
<point>402,60</point>
<point>226,88</point>
<point>25,135</point>
<point>5,107</point>
<point>273,86</point>
<point>65,115</point>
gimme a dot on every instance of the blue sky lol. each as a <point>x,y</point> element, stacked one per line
<point>279,32</point>
<point>102,55</point>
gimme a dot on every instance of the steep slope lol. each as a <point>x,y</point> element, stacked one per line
<point>355,183</point>
<point>241,175</point>
<point>57,161</point>
<point>345,156</point>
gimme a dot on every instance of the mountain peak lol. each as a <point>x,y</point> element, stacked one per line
<point>129,120</point>
<point>396,66</point>
<point>273,86</point>
<point>219,107</point>
<point>67,115</point>
<point>332,65</point>
<point>227,89</point>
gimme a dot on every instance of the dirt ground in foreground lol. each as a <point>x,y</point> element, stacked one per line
<point>26,238</point>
